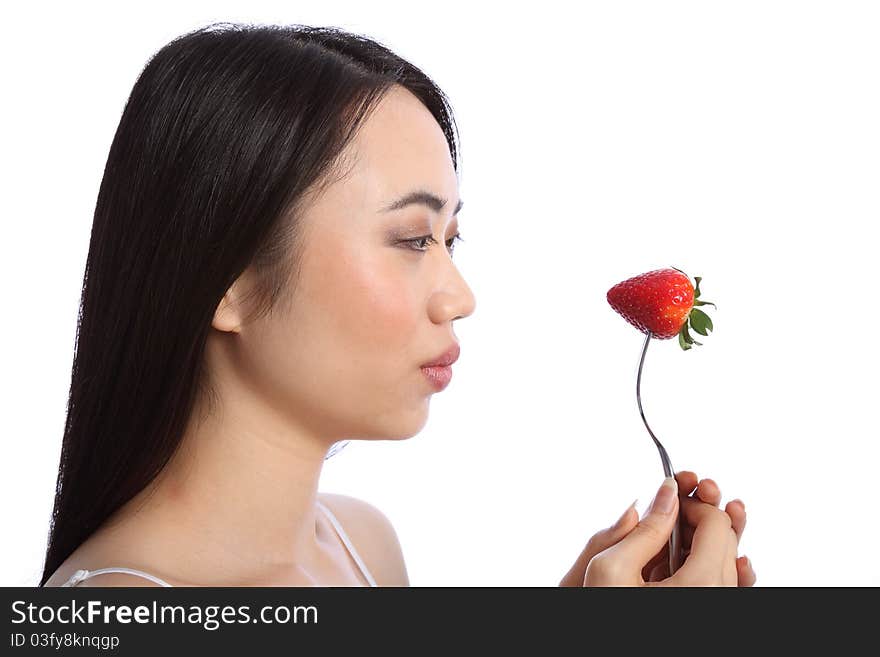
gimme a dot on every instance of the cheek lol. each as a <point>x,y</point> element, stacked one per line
<point>349,349</point>
<point>360,302</point>
<point>351,334</point>
<point>378,306</point>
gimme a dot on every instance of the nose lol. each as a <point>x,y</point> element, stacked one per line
<point>452,299</point>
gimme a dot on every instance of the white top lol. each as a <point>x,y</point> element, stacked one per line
<point>82,574</point>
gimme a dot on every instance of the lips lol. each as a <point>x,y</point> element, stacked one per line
<point>445,359</point>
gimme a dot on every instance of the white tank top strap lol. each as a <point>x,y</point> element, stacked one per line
<point>82,574</point>
<point>348,544</point>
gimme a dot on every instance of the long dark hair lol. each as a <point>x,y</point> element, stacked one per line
<point>226,128</point>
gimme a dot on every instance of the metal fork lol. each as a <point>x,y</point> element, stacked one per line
<point>675,551</point>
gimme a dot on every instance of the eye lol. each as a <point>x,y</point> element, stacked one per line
<point>450,243</point>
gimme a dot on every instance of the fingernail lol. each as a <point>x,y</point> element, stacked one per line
<point>623,515</point>
<point>664,501</point>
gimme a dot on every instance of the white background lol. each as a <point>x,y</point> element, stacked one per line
<point>737,141</point>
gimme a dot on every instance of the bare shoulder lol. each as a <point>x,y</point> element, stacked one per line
<point>373,536</point>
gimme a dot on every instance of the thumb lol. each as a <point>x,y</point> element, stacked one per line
<point>653,531</point>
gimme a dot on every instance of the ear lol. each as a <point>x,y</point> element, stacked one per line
<point>227,316</point>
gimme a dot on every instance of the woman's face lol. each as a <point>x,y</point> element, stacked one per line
<point>368,309</point>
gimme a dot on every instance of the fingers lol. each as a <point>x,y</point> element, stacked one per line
<point>744,572</point>
<point>600,541</point>
<point>737,512</point>
<point>658,572</point>
<point>708,492</point>
<point>736,509</point>
<point>658,560</point>
<point>714,541</point>
<point>706,489</point>
<point>633,551</point>
<point>687,482</point>
<point>712,538</point>
<point>650,536</point>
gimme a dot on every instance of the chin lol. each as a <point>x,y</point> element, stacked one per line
<point>389,424</point>
<point>403,431</point>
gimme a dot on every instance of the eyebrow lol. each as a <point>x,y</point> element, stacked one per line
<point>422,197</point>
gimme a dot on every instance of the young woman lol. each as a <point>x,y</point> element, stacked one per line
<point>270,269</point>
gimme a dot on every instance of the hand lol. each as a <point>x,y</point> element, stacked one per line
<point>599,541</point>
<point>707,492</point>
<point>624,553</point>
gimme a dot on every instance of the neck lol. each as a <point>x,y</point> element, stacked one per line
<point>239,495</point>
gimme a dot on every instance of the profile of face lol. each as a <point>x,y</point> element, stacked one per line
<point>343,360</point>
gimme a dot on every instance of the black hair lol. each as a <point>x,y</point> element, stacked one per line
<point>225,131</point>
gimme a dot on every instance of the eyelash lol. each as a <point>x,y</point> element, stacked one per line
<point>430,239</point>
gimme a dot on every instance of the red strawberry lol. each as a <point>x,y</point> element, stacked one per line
<point>662,303</point>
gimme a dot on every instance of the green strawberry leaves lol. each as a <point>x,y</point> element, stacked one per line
<point>700,321</point>
<point>682,342</point>
<point>697,320</point>
<point>685,340</point>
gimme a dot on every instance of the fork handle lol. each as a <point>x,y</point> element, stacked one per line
<point>675,548</point>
